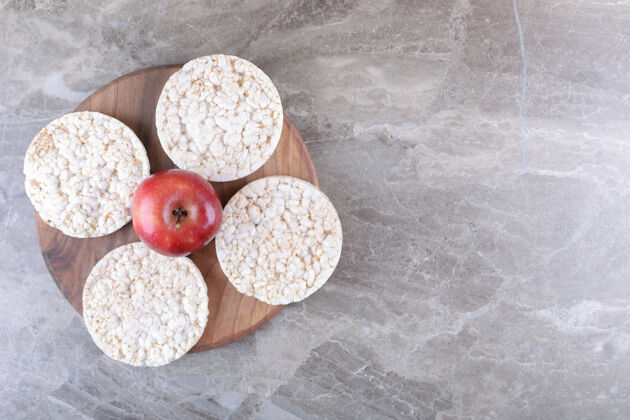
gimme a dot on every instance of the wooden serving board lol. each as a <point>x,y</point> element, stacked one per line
<point>132,99</point>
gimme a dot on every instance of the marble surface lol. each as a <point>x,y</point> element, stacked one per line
<point>478,153</point>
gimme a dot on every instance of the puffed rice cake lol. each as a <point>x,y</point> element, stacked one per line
<point>280,239</point>
<point>143,308</point>
<point>219,116</point>
<point>81,172</point>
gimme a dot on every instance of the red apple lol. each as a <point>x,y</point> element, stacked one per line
<point>176,212</point>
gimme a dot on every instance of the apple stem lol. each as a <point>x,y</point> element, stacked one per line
<point>179,213</point>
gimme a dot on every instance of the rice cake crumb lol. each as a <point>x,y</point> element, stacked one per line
<point>143,308</point>
<point>219,116</point>
<point>280,239</point>
<point>81,172</point>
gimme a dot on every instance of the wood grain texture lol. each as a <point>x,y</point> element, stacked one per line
<point>132,99</point>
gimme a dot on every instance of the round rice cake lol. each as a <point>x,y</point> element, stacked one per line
<point>219,116</point>
<point>143,308</point>
<point>81,173</point>
<point>280,239</point>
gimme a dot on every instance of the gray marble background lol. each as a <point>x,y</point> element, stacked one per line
<point>478,153</point>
